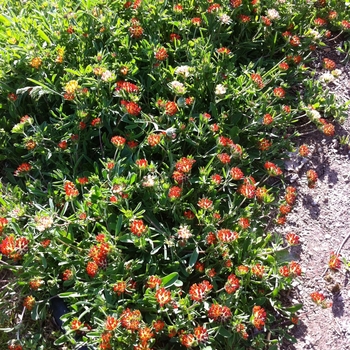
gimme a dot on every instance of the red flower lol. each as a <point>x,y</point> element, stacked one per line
<point>35,284</point>
<point>244,18</point>
<point>189,215</point>
<point>329,64</point>
<point>111,323</point>
<point>268,119</point>
<point>145,334</point>
<point>153,282</point>
<point>284,66</point>
<point>223,50</point>
<point>201,334</point>
<point>178,8</point>
<point>158,325</point>
<point>236,3</point>
<point>279,92</point>
<point>259,317</point>
<point>236,173</point>
<point>294,40</point>
<point>12,96</point>
<point>285,209</point>
<point>70,189</point>
<point>213,8</point>
<point>198,292</point>
<point>292,239</point>
<point>171,108</point>
<point>294,268</point>
<point>224,158</point>
<point>266,21</point>
<point>219,313</point>
<point>243,223</point>
<point>226,236</point>
<point>29,302</point>
<point>199,266</point>
<point>232,284</point>
<point>163,296</point>
<point>63,144</point>
<point>216,179</point>
<point>118,141</point>
<point>131,107</point>
<point>83,180</point>
<point>264,144</point>
<point>142,163</point>
<point>328,129</point>
<point>174,36</point>
<point>257,80</point>
<point>345,24</point>
<point>96,122</point>
<point>154,139</point>
<point>188,340</point>
<point>126,86</point>
<point>272,169</point>
<point>138,227</point>
<point>205,203</point>
<point>174,192</point>
<point>67,275</point>
<point>196,21</point>
<point>136,32</point>
<point>119,287</point>
<point>304,150</point>
<point>258,270</point>
<point>334,261</point>
<point>185,164</point>
<point>320,22</point>
<point>91,269</point>
<point>23,169</point>
<point>317,298</point>
<point>161,54</point>
<point>130,319</point>
<point>311,178</point>
<point>247,190</point>
<point>3,223</point>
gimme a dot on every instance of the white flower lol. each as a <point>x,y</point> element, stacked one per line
<point>220,90</point>
<point>183,70</point>
<point>184,232</point>
<point>225,19</point>
<point>177,87</point>
<point>43,222</point>
<point>314,34</point>
<point>337,73</point>
<point>107,76</point>
<point>326,78</point>
<point>148,181</point>
<point>313,114</point>
<point>273,14</point>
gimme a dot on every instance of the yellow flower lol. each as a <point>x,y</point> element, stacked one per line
<point>36,62</point>
<point>71,86</point>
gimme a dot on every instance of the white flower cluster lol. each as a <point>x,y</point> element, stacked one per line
<point>225,19</point>
<point>43,222</point>
<point>107,76</point>
<point>185,71</point>
<point>177,87</point>
<point>273,14</point>
<point>220,90</point>
<point>184,232</point>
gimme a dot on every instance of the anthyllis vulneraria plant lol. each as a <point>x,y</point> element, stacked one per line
<point>143,145</point>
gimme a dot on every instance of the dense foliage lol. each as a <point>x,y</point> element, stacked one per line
<point>142,148</point>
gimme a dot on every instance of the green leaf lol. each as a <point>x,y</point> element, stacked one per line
<point>118,226</point>
<point>294,308</point>
<point>71,295</point>
<point>194,257</point>
<point>169,280</point>
<point>44,36</point>
<point>4,19</point>
<point>74,72</point>
<point>224,332</point>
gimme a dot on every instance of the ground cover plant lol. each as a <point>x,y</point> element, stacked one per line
<point>142,149</point>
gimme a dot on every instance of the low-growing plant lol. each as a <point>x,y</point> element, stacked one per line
<point>143,146</point>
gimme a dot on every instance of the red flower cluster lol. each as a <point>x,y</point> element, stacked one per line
<point>138,227</point>
<point>334,261</point>
<point>232,284</point>
<point>14,248</point>
<point>99,253</point>
<point>219,313</point>
<point>279,92</point>
<point>163,296</point>
<point>311,178</point>
<point>29,302</point>
<point>161,54</point>
<point>267,119</point>
<point>3,223</point>
<point>154,139</point>
<point>272,169</point>
<point>259,317</point>
<point>329,64</point>
<point>131,107</point>
<point>153,282</point>
<point>205,203</point>
<point>225,235</point>
<point>184,164</point>
<point>70,189</point>
<point>291,270</point>
<point>174,192</point>
<point>292,239</point>
<point>126,86</point>
<point>23,169</point>
<point>258,270</point>
<point>130,319</point>
<point>198,292</point>
<point>320,299</point>
<point>257,80</point>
